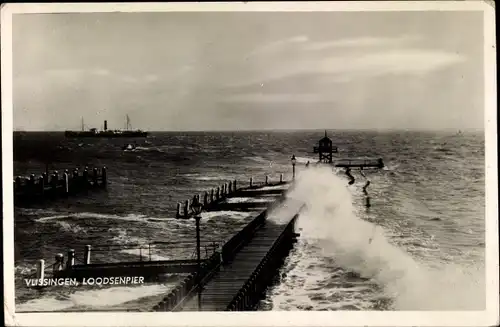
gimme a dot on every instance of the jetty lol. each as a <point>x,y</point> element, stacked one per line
<point>225,276</point>
<point>50,186</point>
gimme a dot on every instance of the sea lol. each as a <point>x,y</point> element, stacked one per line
<point>420,245</point>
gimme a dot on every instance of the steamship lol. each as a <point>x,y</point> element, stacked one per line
<point>93,132</point>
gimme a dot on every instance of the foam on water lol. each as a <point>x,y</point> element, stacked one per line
<point>356,245</point>
<point>243,200</point>
<point>92,215</point>
<point>273,187</point>
<point>95,298</point>
<point>143,253</point>
<point>208,215</point>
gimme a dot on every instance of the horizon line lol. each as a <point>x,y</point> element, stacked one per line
<point>482,129</point>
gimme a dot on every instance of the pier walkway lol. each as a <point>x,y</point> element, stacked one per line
<point>226,289</point>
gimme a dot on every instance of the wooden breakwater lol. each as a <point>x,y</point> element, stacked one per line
<point>215,198</point>
<point>56,185</point>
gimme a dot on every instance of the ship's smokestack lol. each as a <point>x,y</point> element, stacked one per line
<point>105,125</point>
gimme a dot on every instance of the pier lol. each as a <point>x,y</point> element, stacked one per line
<point>226,276</point>
<point>56,185</point>
<point>230,275</point>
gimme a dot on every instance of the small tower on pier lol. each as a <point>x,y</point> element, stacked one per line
<point>325,149</point>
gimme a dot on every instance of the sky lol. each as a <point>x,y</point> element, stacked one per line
<point>176,71</point>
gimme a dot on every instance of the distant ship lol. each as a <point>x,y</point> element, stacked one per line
<point>93,132</point>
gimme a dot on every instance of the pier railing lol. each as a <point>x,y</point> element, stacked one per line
<point>359,163</point>
<point>261,276</point>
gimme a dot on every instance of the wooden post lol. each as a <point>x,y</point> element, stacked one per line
<point>211,195</point>
<point>86,255</point>
<point>66,183</point>
<point>95,176</point>
<point>178,210</point>
<point>281,178</point>
<point>267,180</point>
<point>41,184</point>
<point>18,184</point>
<point>230,188</point>
<point>59,265</point>
<point>234,186</point>
<point>251,181</point>
<point>85,178</point>
<point>217,194</point>
<point>205,199</point>
<point>71,259</point>
<point>186,209</point>
<point>104,176</point>
<point>32,181</point>
<point>54,181</point>
<point>40,269</point>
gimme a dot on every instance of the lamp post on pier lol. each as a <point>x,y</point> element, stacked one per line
<point>294,161</point>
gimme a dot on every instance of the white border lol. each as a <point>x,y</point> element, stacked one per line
<point>273,318</point>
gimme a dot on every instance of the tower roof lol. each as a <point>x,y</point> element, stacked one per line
<point>326,138</point>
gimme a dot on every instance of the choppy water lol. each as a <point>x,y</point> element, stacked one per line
<point>424,230</point>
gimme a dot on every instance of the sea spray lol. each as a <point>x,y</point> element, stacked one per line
<point>330,219</point>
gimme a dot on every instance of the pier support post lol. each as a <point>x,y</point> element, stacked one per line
<point>41,185</point>
<point>186,209</point>
<point>211,195</point>
<point>66,183</point>
<point>217,194</point>
<point>18,184</point>
<point>230,188</point>
<point>178,210</point>
<point>71,259</point>
<point>205,199</point>
<point>86,255</point>
<point>59,265</point>
<point>104,176</point>
<point>40,269</point>
<point>55,180</point>
<point>32,182</point>
<point>95,176</point>
<point>281,178</point>
<point>267,180</point>
<point>85,178</point>
<point>251,181</point>
<point>234,186</point>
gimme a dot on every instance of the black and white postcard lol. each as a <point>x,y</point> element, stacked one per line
<point>250,164</point>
